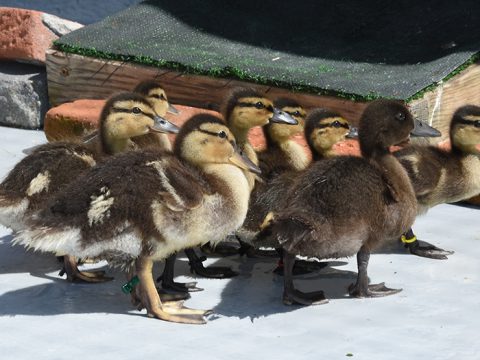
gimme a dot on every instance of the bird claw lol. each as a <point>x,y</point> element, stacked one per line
<point>291,297</point>
<point>372,290</point>
<point>425,249</point>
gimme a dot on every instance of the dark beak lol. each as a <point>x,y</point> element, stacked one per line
<point>353,133</point>
<point>172,109</point>
<point>164,126</point>
<point>243,162</point>
<point>422,129</point>
<point>282,117</point>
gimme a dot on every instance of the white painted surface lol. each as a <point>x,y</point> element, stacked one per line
<point>436,316</point>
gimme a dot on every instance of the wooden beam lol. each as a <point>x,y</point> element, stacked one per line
<point>72,77</point>
<point>436,107</point>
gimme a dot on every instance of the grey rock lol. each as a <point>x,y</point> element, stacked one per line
<point>58,25</point>
<point>23,95</point>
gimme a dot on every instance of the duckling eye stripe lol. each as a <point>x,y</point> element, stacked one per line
<point>208,132</point>
<point>123,110</point>
<point>292,113</point>
<point>322,126</point>
<point>475,123</point>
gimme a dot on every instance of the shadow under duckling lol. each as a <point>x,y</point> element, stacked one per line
<point>444,176</point>
<point>141,206</point>
<point>349,205</point>
<point>50,167</point>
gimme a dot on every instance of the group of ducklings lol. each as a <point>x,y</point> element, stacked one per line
<point>129,197</point>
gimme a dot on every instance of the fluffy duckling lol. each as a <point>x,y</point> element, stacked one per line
<point>142,206</point>
<point>282,153</point>
<point>349,205</point>
<point>50,167</point>
<point>323,129</point>
<point>444,176</point>
<point>157,96</point>
<point>243,109</point>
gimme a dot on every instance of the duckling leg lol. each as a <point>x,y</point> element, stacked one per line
<point>292,295</point>
<point>301,267</point>
<point>151,301</point>
<point>215,272</point>
<point>361,287</point>
<point>75,275</point>
<point>423,248</point>
<point>167,278</point>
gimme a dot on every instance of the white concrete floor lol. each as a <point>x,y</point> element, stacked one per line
<point>436,316</point>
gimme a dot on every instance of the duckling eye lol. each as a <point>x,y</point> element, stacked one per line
<point>222,134</point>
<point>336,124</point>
<point>476,123</point>
<point>260,105</point>
<point>296,113</point>
<point>136,110</point>
<point>400,116</point>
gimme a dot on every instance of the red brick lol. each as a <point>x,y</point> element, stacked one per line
<point>23,36</point>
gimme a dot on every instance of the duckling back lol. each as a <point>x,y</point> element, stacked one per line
<point>341,204</point>
<point>37,176</point>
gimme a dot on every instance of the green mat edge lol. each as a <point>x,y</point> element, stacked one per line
<point>238,74</point>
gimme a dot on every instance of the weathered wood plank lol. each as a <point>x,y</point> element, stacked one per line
<point>72,77</point>
<point>437,107</point>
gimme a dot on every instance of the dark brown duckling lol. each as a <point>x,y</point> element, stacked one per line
<point>243,109</point>
<point>444,176</point>
<point>50,167</point>
<point>349,205</point>
<point>323,129</point>
<point>139,207</point>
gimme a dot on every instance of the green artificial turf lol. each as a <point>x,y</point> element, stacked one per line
<point>356,50</point>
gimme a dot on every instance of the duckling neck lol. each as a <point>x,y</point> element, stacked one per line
<point>294,153</point>
<point>112,146</point>
<point>467,149</point>
<point>241,135</point>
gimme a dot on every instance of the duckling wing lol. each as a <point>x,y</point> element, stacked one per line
<point>183,188</point>
<point>424,167</point>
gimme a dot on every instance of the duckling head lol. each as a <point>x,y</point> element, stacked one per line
<point>279,133</point>
<point>205,139</point>
<point>323,129</point>
<point>465,129</point>
<point>246,108</point>
<point>127,115</point>
<point>157,96</point>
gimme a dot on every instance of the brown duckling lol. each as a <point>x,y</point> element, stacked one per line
<point>141,206</point>
<point>323,129</point>
<point>349,205</point>
<point>50,167</point>
<point>444,176</point>
<point>243,109</point>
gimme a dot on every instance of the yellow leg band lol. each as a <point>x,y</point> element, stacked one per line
<point>408,241</point>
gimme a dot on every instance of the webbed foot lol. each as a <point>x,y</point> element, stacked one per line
<point>372,290</point>
<point>70,268</point>
<point>294,296</point>
<point>213,272</point>
<point>302,267</point>
<point>425,249</point>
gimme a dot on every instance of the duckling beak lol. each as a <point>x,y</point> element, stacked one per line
<point>172,109</point>
<point>353,133</point>
<point>243,162</point>
<point>422,129</point>
<point>163,126</point>
<point>282,117</point>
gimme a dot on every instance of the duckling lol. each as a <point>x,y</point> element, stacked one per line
<point>243,109</point>
<point>323,129</point>
<point>444,176</point>
<point>349,205</point>
<point>50,167</point>
<point>141,206</point>
<point>282,153</point>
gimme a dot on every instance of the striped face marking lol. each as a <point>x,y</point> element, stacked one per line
<point>251,111</point>
<point>159,101</point>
